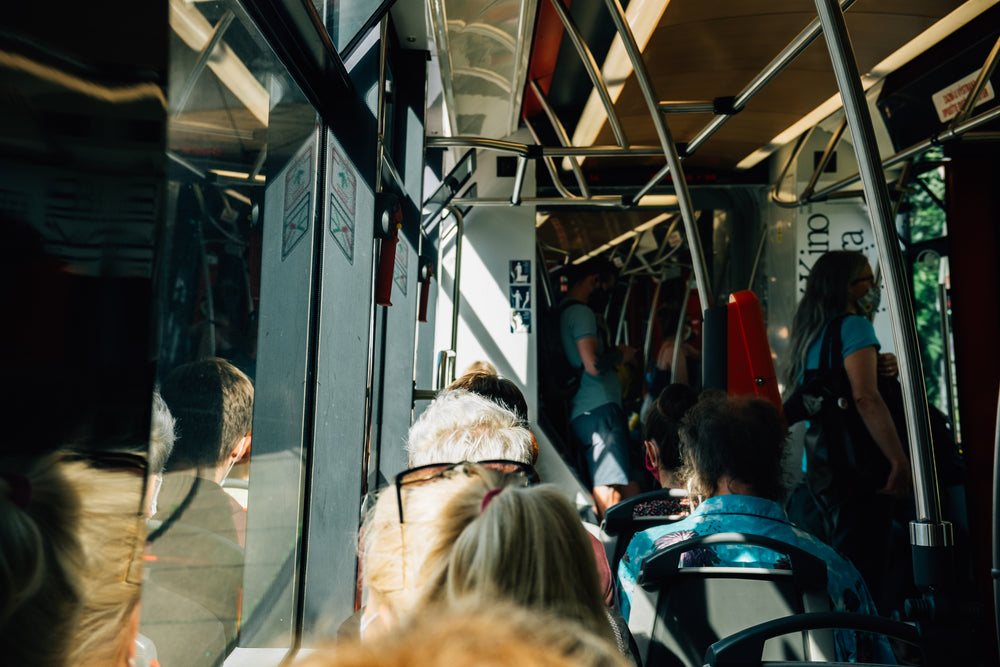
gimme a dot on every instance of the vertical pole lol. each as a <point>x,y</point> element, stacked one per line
<point>928,530</point>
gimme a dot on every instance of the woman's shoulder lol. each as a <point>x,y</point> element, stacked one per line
<point>856,333</point>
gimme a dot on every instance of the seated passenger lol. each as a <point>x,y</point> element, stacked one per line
<point>196,540</point>
<point>470,635</point>
<point>497,389</point>
<point>212,403</point>
<point>500,390</point>
<point>72,538</point>
<point>466,531</point>
<point>41,565</point>
<point>732,450</point>
<point>462,425</point>
<point>459,425</point>
<point>663,458</point>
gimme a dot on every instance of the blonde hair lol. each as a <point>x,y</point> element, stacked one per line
<point>461,542</point>
<point>459,425</point>
<point>471,635</point>
<point>112,533</point>
<point>41,566</point>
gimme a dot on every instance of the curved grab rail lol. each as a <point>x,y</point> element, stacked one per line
<point>746,647</point>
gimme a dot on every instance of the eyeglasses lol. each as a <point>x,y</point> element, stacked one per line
<point>866,279</point>
<point>435,471</point>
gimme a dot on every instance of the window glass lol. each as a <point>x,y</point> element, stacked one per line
<point>236,122</point>
<point>344,20</point>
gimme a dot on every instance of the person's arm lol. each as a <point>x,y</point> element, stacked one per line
<point>666,358</point>
<point>588,347</point>
<point>861,367</point>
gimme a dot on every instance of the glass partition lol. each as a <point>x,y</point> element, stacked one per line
<point>243,151</point>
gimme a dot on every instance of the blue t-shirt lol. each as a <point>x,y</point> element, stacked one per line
<point>578,322</point>
<point>756,516</point>
<point>856,333</point>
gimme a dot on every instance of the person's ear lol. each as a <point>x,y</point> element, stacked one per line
<point>653,453</point>
<point>240,449</point>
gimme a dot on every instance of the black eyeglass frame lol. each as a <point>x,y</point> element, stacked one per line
<point>504,466</point>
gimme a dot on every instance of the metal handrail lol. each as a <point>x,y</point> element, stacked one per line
<point>593,70</point>
<point>859,121</point>
<point>669,149</point>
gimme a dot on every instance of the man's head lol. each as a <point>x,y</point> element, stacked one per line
<point>594,275</point>
<point>212,403</point>
<point>461,426</point>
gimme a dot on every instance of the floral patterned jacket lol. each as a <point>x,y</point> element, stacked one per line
<point>758,516</point>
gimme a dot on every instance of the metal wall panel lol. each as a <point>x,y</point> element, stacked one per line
<point>280,415</point>
<point>397,388</point>
<point>341,381</point>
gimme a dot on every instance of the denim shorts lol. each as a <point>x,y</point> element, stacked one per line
<point>603,435</point>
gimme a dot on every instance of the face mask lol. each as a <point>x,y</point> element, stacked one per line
<point>869,302</point>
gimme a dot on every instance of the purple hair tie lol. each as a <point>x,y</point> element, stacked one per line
<point>490,495</point>
<point>20,488</point>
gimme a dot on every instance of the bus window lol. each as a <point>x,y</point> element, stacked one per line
<point>243,155</point>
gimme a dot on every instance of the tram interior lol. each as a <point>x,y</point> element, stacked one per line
<point>342,201</point>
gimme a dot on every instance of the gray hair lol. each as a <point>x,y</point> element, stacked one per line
<point>461,426</point>
<point>161,435</point>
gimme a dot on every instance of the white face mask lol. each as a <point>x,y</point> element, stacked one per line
<point>869,302</point>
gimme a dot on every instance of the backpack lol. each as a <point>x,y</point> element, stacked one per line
<point>558,379</point>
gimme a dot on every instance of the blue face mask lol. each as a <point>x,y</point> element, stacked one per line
<point>868,302</point>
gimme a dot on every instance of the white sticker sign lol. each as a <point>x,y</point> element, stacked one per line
<point>949,100</point>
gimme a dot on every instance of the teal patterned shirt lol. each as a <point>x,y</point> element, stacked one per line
<point>758,516</point>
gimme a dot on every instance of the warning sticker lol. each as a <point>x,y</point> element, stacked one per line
<point>950,100</point>
<point>520,271</point>
<point>520,321</point>
<point>343,196</point>
<point>296,226</point>
<point>520,296</point>
<point>298,195</point>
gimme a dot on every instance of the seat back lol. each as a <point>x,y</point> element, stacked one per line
<point>621,523</point>
<point>678,612</point>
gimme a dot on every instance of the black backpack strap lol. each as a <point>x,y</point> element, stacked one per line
<point>832,341</point>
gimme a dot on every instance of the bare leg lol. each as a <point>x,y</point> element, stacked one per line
<point>606,496</point>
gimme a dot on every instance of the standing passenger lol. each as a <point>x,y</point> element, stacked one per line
<point>596,419</point>
<point>855,507</point>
